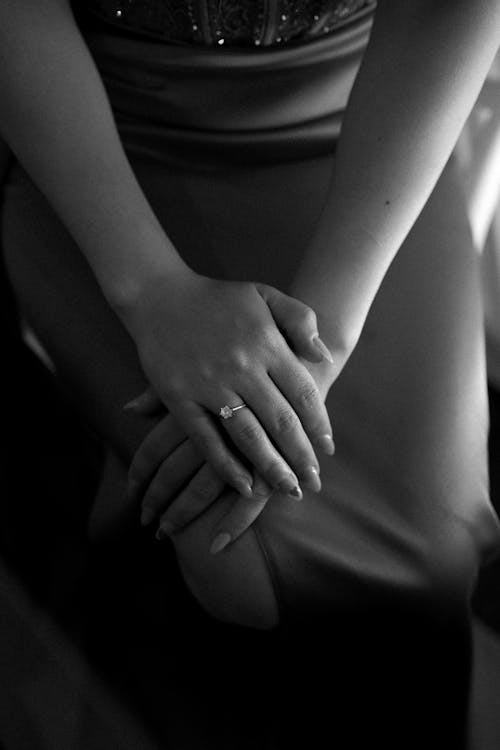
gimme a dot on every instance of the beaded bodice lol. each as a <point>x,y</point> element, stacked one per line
<point>226,22</point>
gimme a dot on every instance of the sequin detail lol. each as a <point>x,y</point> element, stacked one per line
<point>226,22</point>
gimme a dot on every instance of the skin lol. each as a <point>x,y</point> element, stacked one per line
<point>392,150</point>
<point>57,120</point>
<point>391,153</point>
<point>177,486</point>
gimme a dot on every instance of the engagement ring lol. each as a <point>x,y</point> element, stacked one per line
<point>227,412</point>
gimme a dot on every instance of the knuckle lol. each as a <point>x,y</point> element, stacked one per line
<point>308,395</point>
<point>286,421</point>
<point>249,433</point>
<point>239,361</point>
<point>200,492</point>
<point>207,372</point>
<point>309,317</point>
<point>268,335</point>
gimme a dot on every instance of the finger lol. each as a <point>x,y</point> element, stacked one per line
<point>201,426</point>
<point>203,489</point>
<point>299,387</point>
<point>284,427</point>
<point>154,449</point>
<point>147,404</point>
<point>252,439</point>
<point>174,473</point>
<point>241,516</point>
<point>297,322</point>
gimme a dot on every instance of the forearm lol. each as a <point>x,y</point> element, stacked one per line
<point>56,118</point>
<point>422,71</point>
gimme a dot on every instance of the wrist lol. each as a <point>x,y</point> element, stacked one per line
<point>157,268</point>
<point>339,277</point>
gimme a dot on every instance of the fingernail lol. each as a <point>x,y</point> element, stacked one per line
<point>296,492</point>
<point>325,442</point>
<point>287,484</point>
<point>220,541</point>
<point>245,488</point>
<point>147,515</point>
<point>165,531</point>
<point>130,405</point>
<point>311,477</point>
<point>322,348</point>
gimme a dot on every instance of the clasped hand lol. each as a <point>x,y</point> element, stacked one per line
<point>204,343</point>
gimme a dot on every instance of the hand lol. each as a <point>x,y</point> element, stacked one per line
<point>163,463</point>
<point>204,343</point>
<point>167,465</point>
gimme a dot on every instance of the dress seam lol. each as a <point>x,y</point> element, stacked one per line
<point>272,571</point>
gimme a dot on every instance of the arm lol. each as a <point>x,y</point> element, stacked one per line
<point>422,71</point>
<point>56,118</point>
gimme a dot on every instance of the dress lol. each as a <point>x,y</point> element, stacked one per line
<point>371,578</point>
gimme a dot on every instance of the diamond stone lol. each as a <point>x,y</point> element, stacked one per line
<point>226,412</point>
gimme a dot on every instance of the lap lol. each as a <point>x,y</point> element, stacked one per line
<point>97,363</point>
<point>405,503</point>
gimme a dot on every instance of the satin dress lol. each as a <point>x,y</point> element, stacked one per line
<point>367,583</point>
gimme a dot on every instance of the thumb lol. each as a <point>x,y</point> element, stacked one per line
<point>297,321</point>
<point>147,404</point>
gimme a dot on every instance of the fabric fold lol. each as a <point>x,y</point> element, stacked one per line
<point>209,108</point>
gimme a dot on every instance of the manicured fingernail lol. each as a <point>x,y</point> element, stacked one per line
<point>245,488</point>
<point>165,531</point>
<point>287,484</point>
<point>322,348</point>
<point>310,476</point>
<point>131,405</point>
<point>147,515</point>
<point>220,541</point>
<point>325,442</point>
<point>296,492</point>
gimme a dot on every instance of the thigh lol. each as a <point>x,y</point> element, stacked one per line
<point>405,501</point>
<point>388,551</point>
<point>405,510</point>
<point>242,223</point>
<point>96,360</point>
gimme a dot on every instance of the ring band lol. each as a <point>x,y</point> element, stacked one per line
<point>227,412</point>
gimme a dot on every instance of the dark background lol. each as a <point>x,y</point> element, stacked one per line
<point>70,677</point>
